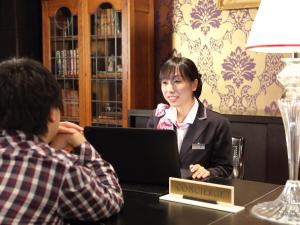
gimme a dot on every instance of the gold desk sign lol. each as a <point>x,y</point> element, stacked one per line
<point>203,194</point>
<point>201,191</point>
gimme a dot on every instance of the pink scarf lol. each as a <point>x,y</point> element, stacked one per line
<point>165,123</point>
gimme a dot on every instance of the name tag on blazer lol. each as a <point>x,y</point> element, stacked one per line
<point>198,146</point>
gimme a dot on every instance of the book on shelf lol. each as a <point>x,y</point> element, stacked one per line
<point>70,103</point>
<point>108,22</point>
<point>111,22</point>
<point>58,63</point>
<point>66,62</point>
<point>98,25</point>
<point>76,69</point>
<point>72,62</point>
<point>102,22</point>
<point>97,48</point>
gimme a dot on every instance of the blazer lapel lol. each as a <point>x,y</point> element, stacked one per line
<point>194,130</point>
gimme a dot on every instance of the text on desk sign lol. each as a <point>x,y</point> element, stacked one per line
<point>201,191</point>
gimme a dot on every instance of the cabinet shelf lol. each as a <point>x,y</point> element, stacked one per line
<point>93,56</point>
<point>70,119</point>
<point>83,40</point>
<point>107,121</point>
<point>66,77</point>
<point>107,76</point>
<point>104,37</point>
<point>107,115</point>
<point>64,38</point>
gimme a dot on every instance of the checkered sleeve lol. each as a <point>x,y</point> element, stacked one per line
<point>90,190</point>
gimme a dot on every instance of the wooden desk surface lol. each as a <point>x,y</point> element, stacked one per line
<point>245,217</point>
<point>146,209</point>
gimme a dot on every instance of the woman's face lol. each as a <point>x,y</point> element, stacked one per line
<point>178,91</point>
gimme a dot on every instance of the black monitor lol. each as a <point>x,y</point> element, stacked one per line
<point>139,155</point>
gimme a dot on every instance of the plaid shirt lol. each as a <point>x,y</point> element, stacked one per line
<point>41,185</point>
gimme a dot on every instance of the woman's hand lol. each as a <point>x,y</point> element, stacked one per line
<point>198,171</point>
<point>68,134</point>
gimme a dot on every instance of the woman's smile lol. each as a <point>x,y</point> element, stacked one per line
<point>172,98</point>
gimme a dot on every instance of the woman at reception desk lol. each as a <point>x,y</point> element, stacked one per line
<point>203,136</point>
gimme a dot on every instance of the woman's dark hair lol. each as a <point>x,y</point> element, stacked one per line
<point>187,69</point>
<point>27,91</point>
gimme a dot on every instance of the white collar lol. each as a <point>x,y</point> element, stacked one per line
<point>171,113</point>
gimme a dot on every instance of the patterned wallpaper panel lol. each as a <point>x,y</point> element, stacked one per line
<point>236,81</point>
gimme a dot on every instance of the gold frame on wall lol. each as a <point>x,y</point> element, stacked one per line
<point>238,4</point>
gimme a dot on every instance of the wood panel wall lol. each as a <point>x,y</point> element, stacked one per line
<point>20,29</point>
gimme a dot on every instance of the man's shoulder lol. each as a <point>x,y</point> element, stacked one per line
<point>35,153</point>
<point>43,151</point>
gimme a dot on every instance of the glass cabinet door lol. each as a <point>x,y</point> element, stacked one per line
<point>64,60</point>
<point>106,66</point>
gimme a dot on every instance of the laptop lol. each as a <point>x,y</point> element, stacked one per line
<point>139,155</point>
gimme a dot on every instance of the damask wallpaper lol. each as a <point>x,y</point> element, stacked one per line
<point>235,81</point>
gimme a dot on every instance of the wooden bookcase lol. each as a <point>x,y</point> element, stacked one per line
<point>101,52</point>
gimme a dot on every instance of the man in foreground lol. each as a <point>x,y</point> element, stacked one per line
<point>40,182</point>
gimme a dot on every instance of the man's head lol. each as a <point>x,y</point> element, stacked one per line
<point>28,93</point>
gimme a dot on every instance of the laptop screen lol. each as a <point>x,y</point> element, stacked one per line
<point>139,155</point>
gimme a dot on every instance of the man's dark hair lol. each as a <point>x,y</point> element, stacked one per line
<point>27,93</point>
<point>187,69</point>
